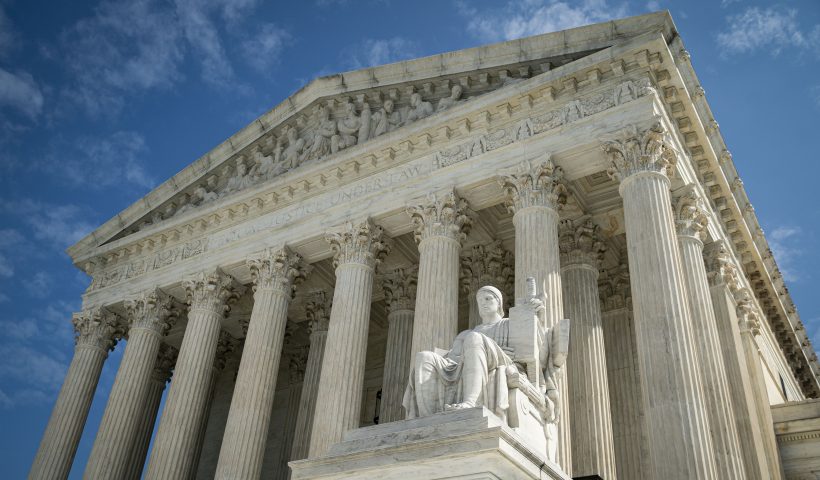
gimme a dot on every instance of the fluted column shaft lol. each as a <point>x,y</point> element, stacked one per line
<point>626,407</point>
<point>535,194</point>
<point>749,323</point>
<point>680,444</point>
<point>740,388</point>
<point>143,438</point>
<point>592,448</point>
<point>339,398</point>
<point>95,338</point>
<point>679,439</point>
<point>243,445</point>
<point>175,447</point>
<point>725,440</point>
<point>149,316</point>
<point>436,311</point>
<point>396,364</point>
<point>307,403</point>
<point>441,223</point>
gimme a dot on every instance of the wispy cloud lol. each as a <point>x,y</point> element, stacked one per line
<point>371,52</point>
<point>773,29</point>
<point>783,241</point>
<point>39,285</point>
<point>9,38</point>
<point>532,17</point>
<point>264,49</point>
<point>57,225</point>
<point>20,92</point>
<point>108,161</point>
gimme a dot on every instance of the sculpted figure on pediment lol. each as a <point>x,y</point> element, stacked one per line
<point>321,144</point>
<point>455,97</point>
<point>199,197</point>
<point>348,127</point>
<point>265,166</point>
<point>240,180</point>
<point>291,155</point>
<point>418,109</point>
<point>386,119</point>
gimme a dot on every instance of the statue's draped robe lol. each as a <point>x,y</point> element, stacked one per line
<point>439,377</point>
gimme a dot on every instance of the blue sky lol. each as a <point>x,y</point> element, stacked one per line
<point>102,101</point>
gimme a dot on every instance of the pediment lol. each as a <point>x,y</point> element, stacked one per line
<point>352,110</point>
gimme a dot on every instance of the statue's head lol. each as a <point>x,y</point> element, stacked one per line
<point>415,99</point>
<point>490,302</point>
<point>456,91</point>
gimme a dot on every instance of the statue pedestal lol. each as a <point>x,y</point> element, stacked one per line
<point>465,444</point>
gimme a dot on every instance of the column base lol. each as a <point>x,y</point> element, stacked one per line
<point>464,444</point>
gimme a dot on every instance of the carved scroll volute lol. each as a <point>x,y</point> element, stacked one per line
<point>541,185</point>
<point>635,149</point>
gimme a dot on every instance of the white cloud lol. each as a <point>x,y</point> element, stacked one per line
<point>772,28</point>
<point>124,47</point>
<point>10,240</point>
<point>39,285</point>
<point>371,52</point>
<point>57,225</point>
<point>263,50</point>
<point>782,241</point>
<point>8,35</point>
<point>20,92</point>
<point>653,6</point>
<point>726,3</point>
<point>101,162</point>
<point>532,17</point>
<point>202,34</point>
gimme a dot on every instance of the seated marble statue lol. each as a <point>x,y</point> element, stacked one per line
<point>474,372</point>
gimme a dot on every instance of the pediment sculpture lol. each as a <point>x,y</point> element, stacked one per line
<point>508,365</point>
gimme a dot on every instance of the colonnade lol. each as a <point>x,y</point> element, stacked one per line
<point>692,421</point>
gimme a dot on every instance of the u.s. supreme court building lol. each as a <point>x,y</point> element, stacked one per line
<point>298,292</point>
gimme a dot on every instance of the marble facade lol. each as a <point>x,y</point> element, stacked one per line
<point>284,282</point>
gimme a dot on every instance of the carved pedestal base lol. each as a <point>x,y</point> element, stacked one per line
<point>463,444</point>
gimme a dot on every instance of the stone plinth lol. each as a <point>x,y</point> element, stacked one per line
<point>465,444</point>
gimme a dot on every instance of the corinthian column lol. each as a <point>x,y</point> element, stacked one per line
<point>95,335</point>
<point>441,223</point>
<point>535,194</point>
<point>357,249</point>
<point>724,280</point>
<point>680,445</point>
<point>749,322</point>
<point>691,220</point>
<point>400,296</point>
<point>149,316</point>
<point>317,311</point>
<point>175,447</point>
<point>482,265</point>
<point>592,448</point>
<point>275,272</point>
<point>163,367</point>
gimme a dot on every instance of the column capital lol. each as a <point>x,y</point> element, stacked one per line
<point>539,185</point>
<point>614,288</point>
<point>580,243</point>
<point>224,347</point>
<point>214,291</point>
<point>399,288</point>
<point>297,365</point>
<point>487,264</point>
<point>636,149</point>
<point>363,243</point>
<point>278,269</point>
<point>747,315</point>
<point>96,327</point>
<point>164,366</point>
<point>440,214</point>
<point>691,217</point>
<point>152,310</point>
<point>317,311</point>
<point>720,268</point>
